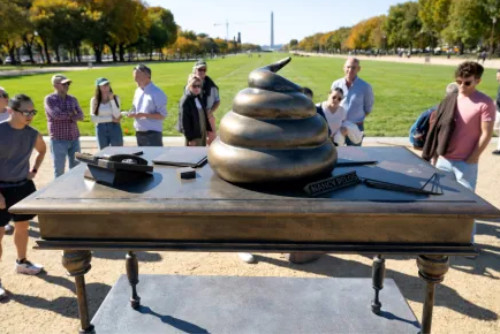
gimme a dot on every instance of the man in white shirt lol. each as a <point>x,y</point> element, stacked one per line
<point>149,108</point>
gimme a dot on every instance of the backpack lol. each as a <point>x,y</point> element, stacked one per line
<point>420,129</point>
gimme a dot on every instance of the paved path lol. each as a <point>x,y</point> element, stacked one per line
<point>33,70</point>
<point>434,60</point>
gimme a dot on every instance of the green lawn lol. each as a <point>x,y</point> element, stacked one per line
<point>402,91</point>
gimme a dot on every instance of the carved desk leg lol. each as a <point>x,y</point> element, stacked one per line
<point>133,277</point>
<point>378,275</point>
<point>77,263</point>
<point>432,269</point>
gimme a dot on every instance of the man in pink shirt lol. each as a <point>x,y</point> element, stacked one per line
<point>474,117</point>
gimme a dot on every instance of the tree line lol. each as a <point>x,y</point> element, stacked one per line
<point>458,24</point>
<point>94,27</point>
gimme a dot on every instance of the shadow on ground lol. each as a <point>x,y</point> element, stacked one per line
<point>65,306</point>
<point>412,288</point>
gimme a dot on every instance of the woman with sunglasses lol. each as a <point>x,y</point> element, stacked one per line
<point>193,121</point>
<point>335,115</point>
<point>17,142</point>
<point>105,114</point>
<point>209,94</point>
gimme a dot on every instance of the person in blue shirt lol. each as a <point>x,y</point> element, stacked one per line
<point>149,108</point>
<point>358,98</point>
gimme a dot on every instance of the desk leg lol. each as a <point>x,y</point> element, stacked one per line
<point>432,269</point>
<point>378,275</point>
<point>77,263</point>
<point>133,277</point>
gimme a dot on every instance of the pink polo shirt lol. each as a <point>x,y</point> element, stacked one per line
<point>469,114</point>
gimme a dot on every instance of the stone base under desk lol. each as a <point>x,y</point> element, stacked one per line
<point>223,304</point>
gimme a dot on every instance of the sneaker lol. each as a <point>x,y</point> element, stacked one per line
<point>247,257</point>
<point>497,152</point>
<point>3,293</point>
<point>28,268</point>
<point>9,229</point>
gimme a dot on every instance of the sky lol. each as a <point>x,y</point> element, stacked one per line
<point>292,19</point>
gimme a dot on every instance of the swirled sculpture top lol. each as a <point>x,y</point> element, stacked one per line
<point>272,134</point>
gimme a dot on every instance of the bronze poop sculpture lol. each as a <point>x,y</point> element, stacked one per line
<point>272,134</point>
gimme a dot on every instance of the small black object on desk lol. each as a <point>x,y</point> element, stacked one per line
<point>186,173</point>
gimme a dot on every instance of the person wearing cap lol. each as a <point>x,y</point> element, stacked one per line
<point>209,96</point>
<point>105,114</point>
<point>17,142</point>
<point>497,119</point>
<point>149,108</point>
<point>4,101</point>
<point>358,98</point>
<point>63,112</point>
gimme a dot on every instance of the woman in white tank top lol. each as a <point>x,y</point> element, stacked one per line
<point>105,114</point>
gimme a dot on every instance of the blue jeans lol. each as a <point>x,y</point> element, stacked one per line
<point>60,149</point>
<point>149,138</point>
<point>348,142</point>
<point>109,134</point>
<point>464,173</point>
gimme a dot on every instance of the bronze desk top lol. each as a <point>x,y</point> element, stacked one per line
<point>208,209</point>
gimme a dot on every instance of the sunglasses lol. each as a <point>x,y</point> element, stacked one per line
<point>66,84</point>
<point>338,98</point>
<point>466,83</point>
<point>201,69</point>
<point>196,86</point>
<point>4,95</point>
<point>26,113</point>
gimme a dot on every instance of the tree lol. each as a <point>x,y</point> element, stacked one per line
<point>163,30</point>
<point>29,38</point>
<point>468,24</point>
<point>339,38</point>
<point>189,34</point>
<point>207,44</point>
<point>293,44</point>
<point>310,43</point>
<point>434,17</point>
<point>492,9</point>
<point>185,46</point>
<point>13,25</point>
<point>59,23</point>
<point>250,47</point>
<point>403,25</point>
<point>367,34</point>
<point>116,23</point>
<point>221,45</point>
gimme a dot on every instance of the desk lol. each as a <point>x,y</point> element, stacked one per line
<point>209,214</point>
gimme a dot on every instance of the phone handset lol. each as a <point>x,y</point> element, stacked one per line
<point>127,158</point>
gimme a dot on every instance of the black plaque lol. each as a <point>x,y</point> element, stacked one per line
<point>332,183</point>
